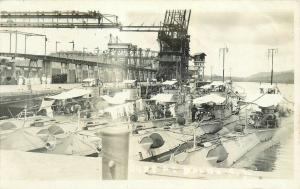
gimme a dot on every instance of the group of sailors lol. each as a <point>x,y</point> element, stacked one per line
<point>71,106</point>
<point>199,114</point>
<point>157,111</point>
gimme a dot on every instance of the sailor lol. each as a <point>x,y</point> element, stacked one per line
<point>194,110</point>
<point>44,80</point>
<point>134,107</point>
<point>162,111</point>
<point>168,112</point>
<point>199,115</point>
<point>157,111</point>
<point>147,109</point>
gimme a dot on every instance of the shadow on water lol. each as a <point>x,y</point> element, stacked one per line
<point>265,161</point>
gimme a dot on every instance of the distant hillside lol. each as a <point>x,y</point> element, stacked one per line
<point>278,77</point>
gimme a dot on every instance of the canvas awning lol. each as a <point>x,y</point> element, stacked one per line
<point>22,140</point>
<point>89,80</point>
<point>208,86</point>
<point>267,86</point>
<point>46,104</point>
<point>209,98</point>
<point>7,126</point>
<point>267,100</point>
<point>112,100</point>
<point>129,81</point>
<point>73,145</point>
<point>71,94</point>
<point>119,98</point>
<point>217,83</point>
<point>164,98</point>
<point>169,82</point>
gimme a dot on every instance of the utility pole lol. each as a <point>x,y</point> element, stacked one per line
<point>73,45</point>
<point>56,42</point>
<point>223,50</point>
<point>16,47</point>
<point>98,74</point>
<point>9,42</point>
<point>83,51</point>
<point>25,37</point>
<point>97,50</point>
<point>45,45</point>
<point>271,53</point>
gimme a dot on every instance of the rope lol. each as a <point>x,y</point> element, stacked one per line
<point>234,92</point>
<point>240,87</point>
<point>287,100</point>
<point>19,100</point>
<point>179,133</point>
<point>252,102</point>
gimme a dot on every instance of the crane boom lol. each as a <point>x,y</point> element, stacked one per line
<point>173,37</point>
<point>58,19</point>
<point>68,19</point>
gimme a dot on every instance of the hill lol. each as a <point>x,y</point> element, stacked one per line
<point>265,77</point>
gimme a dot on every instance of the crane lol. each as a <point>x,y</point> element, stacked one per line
<point>58,19</point>
<point>172,33</point>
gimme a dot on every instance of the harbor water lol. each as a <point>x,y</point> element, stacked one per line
<point>276,157</point>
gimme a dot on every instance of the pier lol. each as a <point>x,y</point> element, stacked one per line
<point>120,111</point>
<point>79,67</point>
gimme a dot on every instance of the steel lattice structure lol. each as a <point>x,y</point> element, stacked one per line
<point>172,33</point>
<point>174,45</point>
<point>58,19</point>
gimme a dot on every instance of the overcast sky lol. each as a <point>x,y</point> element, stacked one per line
<point>247,29</point>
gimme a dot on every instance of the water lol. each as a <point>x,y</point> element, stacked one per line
<point>275,157</point>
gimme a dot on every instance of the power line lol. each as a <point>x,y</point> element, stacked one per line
<point>223,50</point>
<point>272,52</point>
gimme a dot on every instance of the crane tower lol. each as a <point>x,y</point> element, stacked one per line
<point>174,43</point>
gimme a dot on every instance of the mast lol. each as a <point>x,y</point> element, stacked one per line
<point>223,64</point>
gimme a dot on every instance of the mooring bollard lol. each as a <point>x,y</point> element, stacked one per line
<point>115,147</point>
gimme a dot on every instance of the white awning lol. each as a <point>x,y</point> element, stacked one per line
<point>21,140</point>
<point>209,98</point>
<point>164,98</point>
<point>168,82</point>
<point>217,83</point>
<point>208,86</point>
<point>119,98</point>
<point>112,100</point>
<point>267,86</point>
<point>71,94</point>
<point>89,80</point>
<point>46,104</point>
<point>267,100</point>
<point>129,81</point>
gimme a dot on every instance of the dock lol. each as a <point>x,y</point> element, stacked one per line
<point>17,165</point>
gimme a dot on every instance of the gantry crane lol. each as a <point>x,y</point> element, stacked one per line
<point>58,19</point>
<point>172,33</point>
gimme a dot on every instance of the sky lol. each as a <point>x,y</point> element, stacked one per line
<point>247,28</point>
